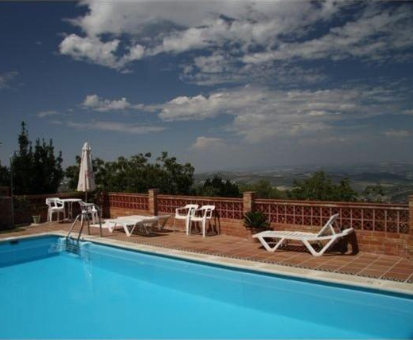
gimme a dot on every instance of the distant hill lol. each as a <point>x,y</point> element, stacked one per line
<point>395,178</point>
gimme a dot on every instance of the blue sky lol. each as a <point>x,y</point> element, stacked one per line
<point>221,84</point>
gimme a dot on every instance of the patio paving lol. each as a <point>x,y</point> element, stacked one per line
<point>383,267</point>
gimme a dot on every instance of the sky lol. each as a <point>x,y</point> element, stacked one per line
<point>225,85</point>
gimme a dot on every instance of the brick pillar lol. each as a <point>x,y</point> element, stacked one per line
<point>153,201</point>
<point>105,204</point>
<point>410,238</point>
<point>249,201</point>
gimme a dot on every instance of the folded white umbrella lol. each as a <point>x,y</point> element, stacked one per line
<point>86,176</point>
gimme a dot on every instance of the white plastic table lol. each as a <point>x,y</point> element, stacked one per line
<point>70,202</point>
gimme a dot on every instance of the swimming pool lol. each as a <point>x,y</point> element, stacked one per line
<point>108,292</point>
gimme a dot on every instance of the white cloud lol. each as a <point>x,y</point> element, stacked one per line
<point>208,143</point>
<point>258,113</point>
<point>44,114</point>
<point>224,69</point>
<point>201,107</point>
<point>373,36</point>
<point>252,32</point>
<point>137,129</point>
<point>6,78</point>
<point>215,63</point>
<point>398,133</point>
<point>136,52</point>
<point>93,50</point>
<point>261,113</point>
<point>133,17</point>
<point>190,39</point>
<point>96,103</point>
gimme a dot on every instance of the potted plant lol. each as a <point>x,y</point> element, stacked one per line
<point>36,214</point>
<point>255,222</point>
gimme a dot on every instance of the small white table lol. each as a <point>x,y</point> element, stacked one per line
<point>70,202</point>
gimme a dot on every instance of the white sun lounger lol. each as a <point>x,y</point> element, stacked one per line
<point>162,219</point>
<point>130,223</point>
<point>327,233</point>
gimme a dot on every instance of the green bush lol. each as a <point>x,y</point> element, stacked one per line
<point>21,204</point>
<point>256,220</point>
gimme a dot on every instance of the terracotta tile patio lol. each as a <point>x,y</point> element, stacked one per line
<point>363,264</point>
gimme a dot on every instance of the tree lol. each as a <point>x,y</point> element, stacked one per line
<point>72,174</point>
<point>264,189</point>
<point>4,176</point>
<point>39,171</point>
<point>319,187</point>
<point>47,168</point>
<point>218,187</point>
<point>344,192</point>
<point>374,193</point>
<point>137,174</point>
<point>22,164</point>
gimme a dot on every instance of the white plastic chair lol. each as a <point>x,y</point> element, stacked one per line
<point>327,233</point>
<point>94,212</point>
<point>202,215</point>
<point>184,213</point>
<point>55,206</point>
<point>90,209</point>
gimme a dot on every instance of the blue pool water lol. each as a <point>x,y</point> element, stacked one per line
<point>46,292</point>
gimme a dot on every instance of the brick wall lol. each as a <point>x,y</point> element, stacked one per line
<point>380,228</point>
<point>410,239</point>
<point>4,191</point>
<point>36,205</point>
<point>122,204</point>
<point>228,218</point>
<point>228,212</point>
<point>5,213</point>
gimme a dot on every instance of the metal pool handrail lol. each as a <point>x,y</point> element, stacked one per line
<point>84,215</point>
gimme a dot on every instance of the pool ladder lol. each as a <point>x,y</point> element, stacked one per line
<point>86,211</point>
<point>72,246</point>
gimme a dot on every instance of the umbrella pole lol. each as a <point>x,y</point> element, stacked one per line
<point>85,188</point>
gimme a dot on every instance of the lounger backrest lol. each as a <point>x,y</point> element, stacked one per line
<point>162,220</point>
<point>328,226</point>
<point>153,222</point>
